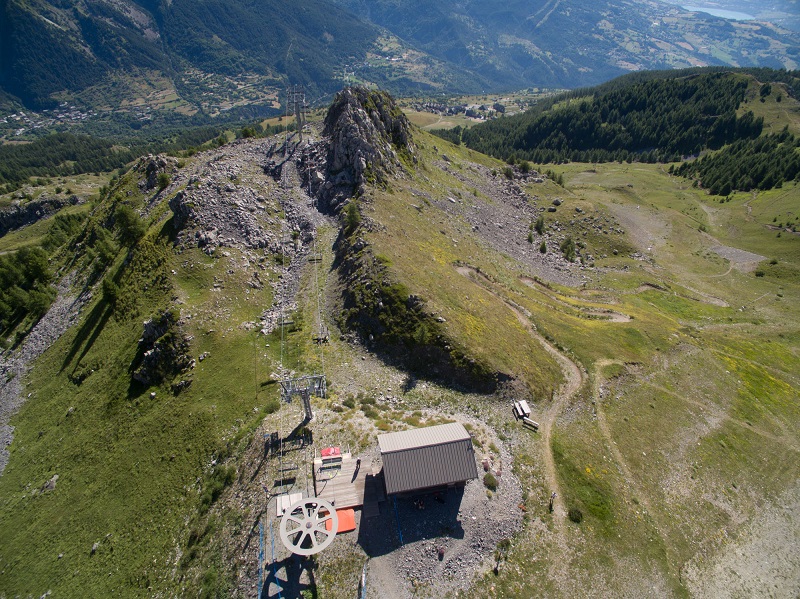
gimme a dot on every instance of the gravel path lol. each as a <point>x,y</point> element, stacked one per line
<point>573,380</point>
<point>738,258</point>
<point>14,364</point>
<point>604,313</point>
<point>466,524</point>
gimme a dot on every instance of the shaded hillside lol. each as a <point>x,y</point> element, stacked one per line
<point>656,120</point>
<point>211,56</point>
<point>304,43</point>
<point>521,43</point>
<point>49,50</point>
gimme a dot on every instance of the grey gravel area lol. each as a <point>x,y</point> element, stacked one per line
<point>14,364</point>
<point>736,255</point>
<point>401,546</point>
<point>229,201</point>
<point>464,524</point>
<point>764,561</point>
<point>501,215</point>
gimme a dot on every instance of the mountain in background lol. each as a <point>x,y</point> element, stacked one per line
<point>784,13</point>
<point>651,328</point>
<point>51,50</point>
<point>212,56</point>
<point>565,44</point>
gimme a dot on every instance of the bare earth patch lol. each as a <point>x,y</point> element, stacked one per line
<point>740,259</point>
<point>764,562</point>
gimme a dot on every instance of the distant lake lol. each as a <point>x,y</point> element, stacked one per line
<point>721,12</point>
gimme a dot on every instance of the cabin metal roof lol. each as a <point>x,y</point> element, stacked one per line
<point>422,437</point>
<point>427,457</point>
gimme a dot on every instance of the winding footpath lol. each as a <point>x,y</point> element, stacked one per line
<point>573,380</point>
<point>605,430</point>
<point>605,314</point>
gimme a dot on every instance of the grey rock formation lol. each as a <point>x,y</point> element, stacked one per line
<point>19,215</point>
<point>163,350</point>
<point>367,138</point>
<point>152,167</point>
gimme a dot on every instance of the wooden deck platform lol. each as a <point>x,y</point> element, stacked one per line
<point>346,488</point>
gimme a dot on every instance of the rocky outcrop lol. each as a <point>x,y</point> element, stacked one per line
<point>152,166</point>
<point>226,204</point>
<point>163,350</point>
<point>215,213</point>
<point>366,139</point>
<point>366,130</point>
<point>20,215</point>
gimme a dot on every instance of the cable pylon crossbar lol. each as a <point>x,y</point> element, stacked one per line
<point>313,383</point>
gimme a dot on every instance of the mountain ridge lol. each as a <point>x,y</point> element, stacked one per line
<point>614,299</point>
<point>213,55</point>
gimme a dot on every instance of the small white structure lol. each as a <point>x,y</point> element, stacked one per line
<point>521,409</point>
<point>523,412</point>
<point>285,501</point>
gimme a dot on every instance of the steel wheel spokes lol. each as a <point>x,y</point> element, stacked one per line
<point>304,531</point>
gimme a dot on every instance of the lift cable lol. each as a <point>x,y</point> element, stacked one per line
<point>322,329</point>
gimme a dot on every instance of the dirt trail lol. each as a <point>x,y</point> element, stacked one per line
<point>724,274</point>
<point>584,311</point>
<point>573,379</point>
<point>630,479</point>
<point>704,297</point>
<point>708,299</point>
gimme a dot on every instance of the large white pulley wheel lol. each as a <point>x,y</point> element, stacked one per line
<point>304,526</point>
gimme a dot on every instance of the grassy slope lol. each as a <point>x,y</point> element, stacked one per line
<point>699,418</point>
<point>33,235</point>
<point>424,250</point>
<point>703,423</point>
<point>677,480</point>
<point>131,468</point>
<point>777,113</point>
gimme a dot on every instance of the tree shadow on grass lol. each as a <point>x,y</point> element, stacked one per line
<point>90,330</point>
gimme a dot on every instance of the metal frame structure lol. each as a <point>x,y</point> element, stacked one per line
<point>296,102</point>
<point>303,527</point>
<point>305,387</point>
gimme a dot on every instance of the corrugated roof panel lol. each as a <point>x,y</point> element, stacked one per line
<point>427,457</point>
<point>422,437</point>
